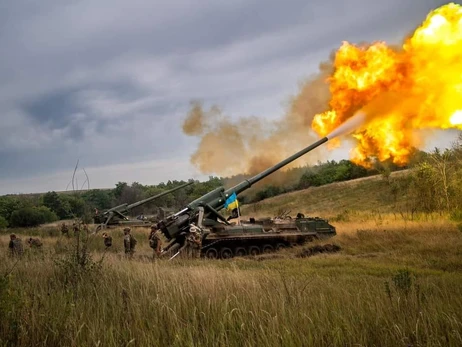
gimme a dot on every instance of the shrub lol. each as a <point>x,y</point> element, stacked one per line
<point>32,216</point>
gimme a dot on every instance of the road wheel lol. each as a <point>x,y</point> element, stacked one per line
<point>226,253</point>
<point>280,246</point>
<point>254,250</point>
<point>267,248</point>
<point>211,253</point>
<point>240,252</point>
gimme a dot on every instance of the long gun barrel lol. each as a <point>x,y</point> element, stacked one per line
<point>215,200</point>
<point>136,204</point>
<point>124,208</point>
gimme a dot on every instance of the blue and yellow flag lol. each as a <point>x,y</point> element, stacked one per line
<point>231,203</point>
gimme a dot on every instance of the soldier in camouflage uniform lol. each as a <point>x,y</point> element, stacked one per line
<point>15,246</point>
<point>155,242</point>
<point>34,243</point>
<point>194,241</point>
<point>107,240</point>
<point>64,230</point>
<point>129,242</point>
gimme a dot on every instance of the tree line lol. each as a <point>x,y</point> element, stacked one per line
<point>34,209</point>
<point>433,185</point>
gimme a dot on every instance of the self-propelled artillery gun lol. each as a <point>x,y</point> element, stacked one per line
<point>117,216</point>
<point>222,239</point>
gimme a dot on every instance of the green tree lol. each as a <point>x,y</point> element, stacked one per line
<point>3,223</point>
<point>98,198</point>
<point>47,215</point>
<point>57,204</point>
<point>268,192</point>
<point>120,187</point>
<point>310,179</point>
<point>75,205</point>
<point>32,216</point>
<point>8,204</point>
<point>424,188</point>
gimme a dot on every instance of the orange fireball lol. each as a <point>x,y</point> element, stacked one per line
<point>400,90</point>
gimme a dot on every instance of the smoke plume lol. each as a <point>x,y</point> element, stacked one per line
<point>250,144</point>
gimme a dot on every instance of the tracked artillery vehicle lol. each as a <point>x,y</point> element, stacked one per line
<point>222,239</point>
<point>253,237</point>
<point>117,216</point>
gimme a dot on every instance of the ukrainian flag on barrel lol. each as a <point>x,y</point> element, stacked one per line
<point>231,203</point>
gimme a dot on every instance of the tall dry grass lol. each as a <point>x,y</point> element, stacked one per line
<point>393,284</point>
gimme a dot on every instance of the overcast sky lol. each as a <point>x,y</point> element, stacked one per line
<point>109,82</point>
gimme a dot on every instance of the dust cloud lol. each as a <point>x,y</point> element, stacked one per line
<point>249,145</point>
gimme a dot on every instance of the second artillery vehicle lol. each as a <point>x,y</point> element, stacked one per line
<point>116,216</point>
<point>221,239</point>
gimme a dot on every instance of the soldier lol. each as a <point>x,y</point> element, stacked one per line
<point>15,246</point>
<point>155,242</point>
<point>64,229</point>
<point>34,243</point>
<point>194,244</point>
<point>107,240</point>
<point>129,242</point>
<point>75,228</point>
<point>194,241</point>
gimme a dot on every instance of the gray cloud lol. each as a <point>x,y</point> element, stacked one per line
<point>110,82</point>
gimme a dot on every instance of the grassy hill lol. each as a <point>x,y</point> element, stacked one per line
<point>361,195</point>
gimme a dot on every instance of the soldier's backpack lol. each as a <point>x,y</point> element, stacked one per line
<point>132,241</point>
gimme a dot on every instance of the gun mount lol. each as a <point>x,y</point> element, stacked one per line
<point>116,214</point>
<point>207,207</point>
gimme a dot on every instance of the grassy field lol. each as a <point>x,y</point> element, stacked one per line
<point>394,283</point>
<point>367,195</point>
